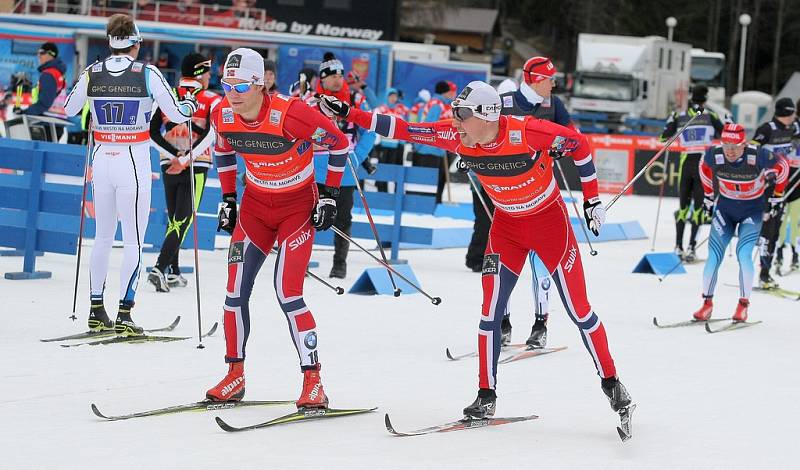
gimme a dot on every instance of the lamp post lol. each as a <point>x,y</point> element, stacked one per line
<point>744,20</point>
<point>671,23</point>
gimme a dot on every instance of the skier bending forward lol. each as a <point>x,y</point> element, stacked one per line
<point>512,157</point>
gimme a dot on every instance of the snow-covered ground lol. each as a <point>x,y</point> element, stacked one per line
<point>704,401</point>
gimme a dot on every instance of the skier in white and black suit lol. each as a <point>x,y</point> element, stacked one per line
<point>121,92</point>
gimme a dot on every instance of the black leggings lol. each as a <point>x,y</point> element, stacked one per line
<point>177,190</point>
<point>690,191</point>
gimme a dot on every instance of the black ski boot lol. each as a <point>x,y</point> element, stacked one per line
<point>505,331</point>
<point>765,281</point>
<point>691,255</point>
<point>538,337</point>
<point>339,270</point>
<point>778,261</point>
<point>124,325</point>
<point>98,318</point>
<point>483,406</point>
<point>616,393</point>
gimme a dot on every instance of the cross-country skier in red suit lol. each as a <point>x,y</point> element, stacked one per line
<point>274,136</point>
<point>512,158</point>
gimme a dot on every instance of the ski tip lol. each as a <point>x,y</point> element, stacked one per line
<point>449,356</point>
<point>389,426</point>
<point>708,328</point>
<point>225,426</point>
<point>213,329</point>
<point>655,321</point>
<point>98,413</point>
<point>175,322</point>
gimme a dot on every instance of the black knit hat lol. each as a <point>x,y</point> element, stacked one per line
<point>442,87</point>
<point>195,64</point>
<point>699,94</point>
<point>784,107</point>
<point>49,48</point>
<point>330,65</point>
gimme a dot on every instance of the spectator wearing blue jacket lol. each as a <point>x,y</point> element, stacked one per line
<point>361,142</point>
<point>49,96</point>
<point>437,108</point>
<point>391,150</point>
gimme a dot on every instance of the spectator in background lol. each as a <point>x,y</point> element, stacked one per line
<point>270,74</point>
<point>48,97</point>
<point>433,157</point>
<point>306,84</point>
<point>391,150</point>
<point>415,112</point>
<point>359,85</point>
<point>331,82</point>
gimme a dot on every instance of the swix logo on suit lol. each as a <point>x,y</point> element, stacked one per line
<point>304,236</point>
<point>573,254</point>
<point>518,180</point>
<point>273,162</point>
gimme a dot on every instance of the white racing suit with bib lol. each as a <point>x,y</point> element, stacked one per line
<point>121,92</point>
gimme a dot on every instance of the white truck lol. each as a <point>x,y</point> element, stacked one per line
<point>710,69</point>
<point>629,77</point>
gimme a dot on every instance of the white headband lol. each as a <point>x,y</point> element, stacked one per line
<point>124,42</point>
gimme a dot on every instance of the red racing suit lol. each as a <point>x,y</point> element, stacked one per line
<point>516,170</point>
<point>277,204</point>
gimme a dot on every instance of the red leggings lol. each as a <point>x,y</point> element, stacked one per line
<point>550,235</point>
<point>263,219</point>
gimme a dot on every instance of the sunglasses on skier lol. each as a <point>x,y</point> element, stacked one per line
<point>240,88</point>
<point>462,111</point>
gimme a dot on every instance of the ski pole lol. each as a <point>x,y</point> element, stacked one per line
<point>477,190</point>
<point>791,190</point>
<point>660,279</point>
<point>89,147</point>
<point>434,300</point>
<point>660,197</point>
<point>194,230</point>
<point>650,163</point>
<point>445,163</point>
<point>592,251</point>
<point>395,290</point>
<point>337,289</point>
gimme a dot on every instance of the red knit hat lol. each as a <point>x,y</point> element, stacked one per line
<point>537,69</point>
<point>733,134</point>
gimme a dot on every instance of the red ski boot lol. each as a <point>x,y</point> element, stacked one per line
<point>231,388</point>
<point>741,311</point>
<point>705,311</point>
<point>313,395</point>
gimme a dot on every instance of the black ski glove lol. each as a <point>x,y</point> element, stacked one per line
<point>324,214</point>
<point>332,106</point>
<point>227,213</point>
